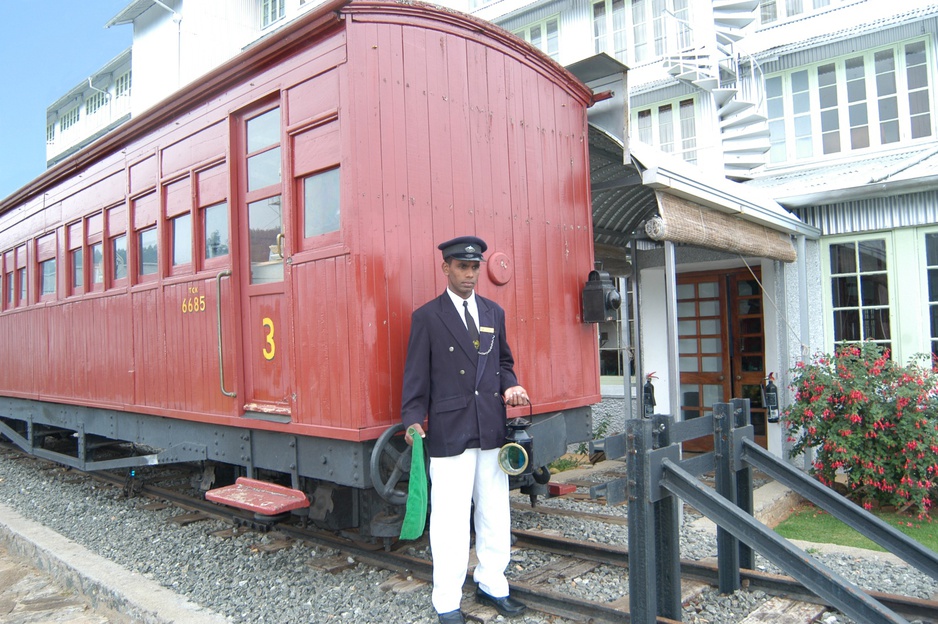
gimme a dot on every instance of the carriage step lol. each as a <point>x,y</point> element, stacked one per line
<point>263,498</point>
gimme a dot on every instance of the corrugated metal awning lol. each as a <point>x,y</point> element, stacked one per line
<point>678,202</point>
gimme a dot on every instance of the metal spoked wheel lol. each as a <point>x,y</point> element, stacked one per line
<point>390,464</point>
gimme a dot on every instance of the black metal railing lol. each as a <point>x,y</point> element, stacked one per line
<point>658,478</point>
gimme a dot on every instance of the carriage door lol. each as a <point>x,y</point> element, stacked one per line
<point>721,346</point>
<point>266,321</point>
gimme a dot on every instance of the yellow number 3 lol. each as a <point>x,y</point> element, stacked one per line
<point>271,348</point>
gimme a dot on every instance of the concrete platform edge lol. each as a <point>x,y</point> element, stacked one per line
<point>104,583</point>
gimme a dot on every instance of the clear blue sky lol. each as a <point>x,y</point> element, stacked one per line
<point>47,47</point>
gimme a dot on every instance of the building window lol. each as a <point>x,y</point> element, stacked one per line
<point>216,230</point>
<point>931,261</point>
<point>859,102</point>
<point>272,11</point>
<point>321,203</point>
<point>148,252</point>
<point>10,291</point>
<point>69,119</point>
<point>860,291</point>
<point>50,133</point>
<point>671,127</point>
<point>776,10</point>
<point>610,28</point>
<point>544,35</point>
<point>47,277</point>
<point>122,85</point>
<point>95,102</point>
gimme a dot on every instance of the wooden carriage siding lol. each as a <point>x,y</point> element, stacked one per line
<point>440,125</point>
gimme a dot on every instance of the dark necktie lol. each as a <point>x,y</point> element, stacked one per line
<point>471,325</point>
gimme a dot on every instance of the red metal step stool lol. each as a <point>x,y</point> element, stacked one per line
<point>261,497</point>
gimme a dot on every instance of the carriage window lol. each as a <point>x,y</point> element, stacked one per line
<point>9,283</point>
<point>263,136</point>
<point>47,277</point>
<point>21,277</point>
<point>97,263</point>
<point>78,275</point>
<point>149,253</point>
<point>119,251</point>
<point>321,198</point>
<point>266,240</point>
<point>216,230</point>
<point>182,239</point>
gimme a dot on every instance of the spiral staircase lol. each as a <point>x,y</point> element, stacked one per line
<point>715,68</point>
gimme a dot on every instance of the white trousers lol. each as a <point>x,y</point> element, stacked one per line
<point>456,482</point>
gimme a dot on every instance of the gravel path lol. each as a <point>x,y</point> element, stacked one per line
<point>237,578</point>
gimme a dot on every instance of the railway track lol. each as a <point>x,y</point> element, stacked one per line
<point>543,587</point>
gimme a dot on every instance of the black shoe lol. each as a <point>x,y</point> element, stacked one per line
<point>452,617</point>
<point>507,606</point>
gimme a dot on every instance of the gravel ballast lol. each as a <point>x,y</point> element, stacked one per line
<point>237,578</point>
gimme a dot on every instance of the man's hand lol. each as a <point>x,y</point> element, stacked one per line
<point>416,427</point>
<point>515,396</point>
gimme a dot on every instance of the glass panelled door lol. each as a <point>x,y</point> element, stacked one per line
<point>702,339</point>
<point>748,341</point>
<point>721,345</point>
<point>265,312</point>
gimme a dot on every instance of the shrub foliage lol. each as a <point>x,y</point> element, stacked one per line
<point>872,420</point>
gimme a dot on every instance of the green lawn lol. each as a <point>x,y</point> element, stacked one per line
<point>811,524</point>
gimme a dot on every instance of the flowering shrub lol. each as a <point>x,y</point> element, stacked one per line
<point>872,420</point>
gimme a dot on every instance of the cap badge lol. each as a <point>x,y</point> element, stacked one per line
<point>470,249</point>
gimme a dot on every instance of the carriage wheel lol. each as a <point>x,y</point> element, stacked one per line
<point>390,464</point>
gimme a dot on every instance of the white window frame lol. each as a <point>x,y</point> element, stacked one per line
<point>803,135</point>
<point>684,138</point>
<point>543,42</point>
<point>96,102</point>
<point>773,11</point>
<point>610,19</point>
<point>70,118</point>
<point>272,11</point>
<point>122,85</point>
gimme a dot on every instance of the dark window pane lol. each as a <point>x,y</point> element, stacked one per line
<point>846,325</point>
<point>874,289</point>
<point>876,324</point>
<point>752,363</point>
<point>751,326</point>
<point>843,258</point>
<point>872,255</point>
<point>845,292</point>
<point>750,306</point>
<point>933,312</point>
<point>931,249</point>
<point>933,286</point>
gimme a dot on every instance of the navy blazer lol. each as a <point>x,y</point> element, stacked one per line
<point>449,383</point>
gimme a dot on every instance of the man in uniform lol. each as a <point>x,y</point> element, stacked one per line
<point>460,375</point>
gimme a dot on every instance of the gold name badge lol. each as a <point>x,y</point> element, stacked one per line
<point>487,330</point>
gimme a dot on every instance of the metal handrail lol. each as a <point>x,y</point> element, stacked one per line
<point>221,356</point>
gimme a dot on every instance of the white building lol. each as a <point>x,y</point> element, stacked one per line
<point>774,184</point>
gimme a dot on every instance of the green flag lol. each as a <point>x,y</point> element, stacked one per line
<point>415,519</point>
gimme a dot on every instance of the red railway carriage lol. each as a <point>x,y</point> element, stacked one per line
<point>229,277</point>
